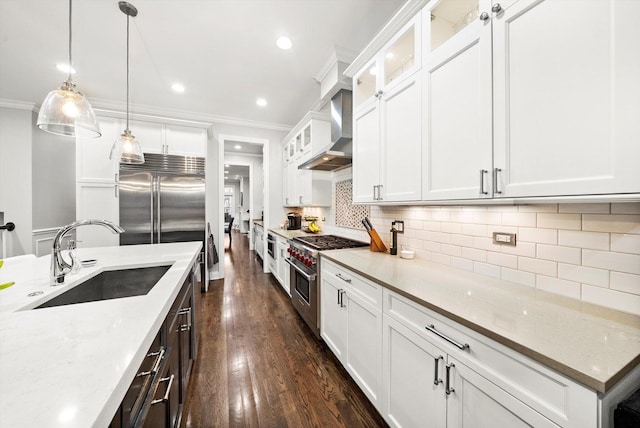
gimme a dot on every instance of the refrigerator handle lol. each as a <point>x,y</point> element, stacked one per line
<point>153,223</point>
<point>159,190</point>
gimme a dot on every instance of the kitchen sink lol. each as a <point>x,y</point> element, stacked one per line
<point>112,284</point>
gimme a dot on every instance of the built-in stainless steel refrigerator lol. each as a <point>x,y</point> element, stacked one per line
<point>162,200</point>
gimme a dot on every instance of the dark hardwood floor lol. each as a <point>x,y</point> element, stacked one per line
<point>259,365</point>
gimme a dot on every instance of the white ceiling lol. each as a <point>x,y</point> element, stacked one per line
<point>223,51</point>
<point>245,148</point>
<point>235,172</point>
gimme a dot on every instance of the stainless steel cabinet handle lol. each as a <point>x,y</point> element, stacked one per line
<point>339,296</point>
<point>459,345</point>
<point>436,360</point>
<point>482,173</point>
<point>374,192</point>
<point>187,312</point>
<point>167,392</point>
<point>447,386</point>
<point>496,8</point>
<point>342,293</point>
<point>339,275</point>
<point>380,186</point>
<point>159,356</point>
<point>300,198</point>
<point>484,16</point>
<point>496,171</point>
<point>286,201</point>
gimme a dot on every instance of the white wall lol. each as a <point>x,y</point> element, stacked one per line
<point>16,178</point>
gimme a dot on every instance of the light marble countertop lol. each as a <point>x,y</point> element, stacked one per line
<point>591,344</point>
<point>70,366</point>
<point>288,234</point>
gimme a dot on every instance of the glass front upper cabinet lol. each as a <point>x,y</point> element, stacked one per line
<point>365,84</point>
<point>450,17</point>
<point>400,56</point>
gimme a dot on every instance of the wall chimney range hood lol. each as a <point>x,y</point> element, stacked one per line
<point>338,155</point>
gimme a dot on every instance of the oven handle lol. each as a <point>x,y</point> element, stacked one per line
<point>301,272</point>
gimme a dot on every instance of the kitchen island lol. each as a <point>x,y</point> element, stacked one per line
<point>71,366</point>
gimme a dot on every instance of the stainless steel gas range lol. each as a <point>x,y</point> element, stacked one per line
<point>304,279</point>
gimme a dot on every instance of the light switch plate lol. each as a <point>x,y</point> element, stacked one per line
<point>504,238</point>
<point>400,226</point>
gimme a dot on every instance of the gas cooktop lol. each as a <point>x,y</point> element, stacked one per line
<point>329,242</point>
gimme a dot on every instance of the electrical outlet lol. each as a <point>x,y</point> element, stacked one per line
<point>400,226</point>
<point>504,238</point>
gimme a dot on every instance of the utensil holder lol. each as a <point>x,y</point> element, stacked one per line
<point>376,243</point>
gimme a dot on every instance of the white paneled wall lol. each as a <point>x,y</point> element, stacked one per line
<point>585,251</point>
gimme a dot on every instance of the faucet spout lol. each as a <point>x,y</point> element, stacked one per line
<point>59,266</point>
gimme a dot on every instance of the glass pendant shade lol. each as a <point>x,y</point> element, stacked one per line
<point>127,149</point>
<point>66,111</point>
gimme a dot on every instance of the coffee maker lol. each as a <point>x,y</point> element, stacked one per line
<point>294,221</point>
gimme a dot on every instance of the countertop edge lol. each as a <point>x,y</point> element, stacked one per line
<point>575,375</point>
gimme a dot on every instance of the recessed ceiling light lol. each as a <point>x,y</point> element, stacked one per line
<point>178,87</point>
<point>373,70</point>
<point>284,43</point>
<point>226,165</point>
<point>226,172</point>
<point>261,102</point>
<point>237,147</point>
<point>65,68</point>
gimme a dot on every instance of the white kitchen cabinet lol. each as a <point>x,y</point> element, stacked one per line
<point>259,240</point>
<point>92,154</point>
<point>387,124</point>
<point>351,325</point>
<point>456,110</point>
<point>160,138</point>
<point>283,267</point>
<point>566,98</point>
<point>301,187</point>
<point>100,201</point>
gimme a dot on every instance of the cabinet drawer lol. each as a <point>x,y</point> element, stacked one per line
<point>367,290</point>
<point>553,395</point>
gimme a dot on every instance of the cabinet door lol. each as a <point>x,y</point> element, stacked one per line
<point>183,140</point>
<point>333,316</point>
<point>365,85</point>
<point>457,135</point>
<point>402,55</point>
<point>92,154</point>
<point>366,153</point>
<point>476,402</point>
<point>413,372</point>
<point>364,346</point>
<point>566,97</point>
<point>285,184</point>
<point>97,200</point>
<point>400,127</point>
<point>150,136</point>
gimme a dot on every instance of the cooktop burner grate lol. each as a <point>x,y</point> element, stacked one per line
<point>329,242</point>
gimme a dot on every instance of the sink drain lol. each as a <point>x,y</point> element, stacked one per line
<point>35,293</point>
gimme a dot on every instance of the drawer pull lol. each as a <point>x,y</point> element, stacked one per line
<point>341,293</point>
<point>159,356</point>
<point>447,386</point>
<point>343,278</point>
<point>167,392</point>
<point>433,330</point>
<point>436,361</point>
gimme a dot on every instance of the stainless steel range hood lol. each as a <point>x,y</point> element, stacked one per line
<point>338,156</point>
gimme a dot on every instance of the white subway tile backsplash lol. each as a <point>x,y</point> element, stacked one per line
<point>519,219</point>
<point>614,299</point>
<point>474,254</point>
<point>586,251</point>
<point>543,267</point>
<point>625,208</point>
<point>627,282</point>
<point>578,239</point>
<point>559,254</point>
<point>620,262</point>
<point>527,249</point>
<point>625,243</point>
<point>541,236</point>
<point>558,286</point>
<point>618,223</point>
<point>559,221</point>
<point>584,208</point>
<point>501,259</point>
<point>519,277</point>
<point>587,275</point>
<point>487,269</point>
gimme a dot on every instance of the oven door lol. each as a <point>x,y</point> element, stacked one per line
<point>304,294</point>
<point>271,246</point>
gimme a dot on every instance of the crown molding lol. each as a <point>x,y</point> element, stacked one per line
<point>18,105</point>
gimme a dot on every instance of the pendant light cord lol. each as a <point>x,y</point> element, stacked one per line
<point>127,72</point>
<point>70,34</point>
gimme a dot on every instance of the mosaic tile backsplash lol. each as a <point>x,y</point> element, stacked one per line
<point>347,213</point>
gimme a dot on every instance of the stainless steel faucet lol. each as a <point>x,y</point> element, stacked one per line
<point>59,267</point>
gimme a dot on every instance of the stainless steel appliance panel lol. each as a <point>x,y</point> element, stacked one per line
<point>181,208</point>
<point>136,207</point>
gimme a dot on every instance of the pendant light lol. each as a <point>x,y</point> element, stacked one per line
<point>126,146</point>
<point>66,111</point>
